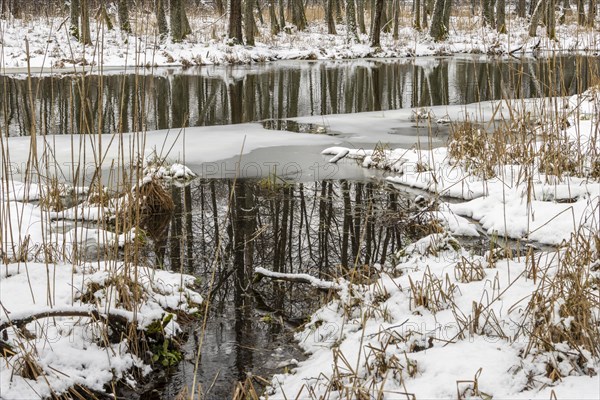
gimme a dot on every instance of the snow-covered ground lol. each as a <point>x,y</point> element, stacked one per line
<point>52,49</point>
<point>67,307</point>
<point>441,322</point>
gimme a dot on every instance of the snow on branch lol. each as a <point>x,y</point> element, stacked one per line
<point>298,278</point>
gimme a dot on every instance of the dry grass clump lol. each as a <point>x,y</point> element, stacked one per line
<point>558,156</point>
<point>431,292</point>
<point>466,270</point>
<point>564,311</point>
<point>470,145</point>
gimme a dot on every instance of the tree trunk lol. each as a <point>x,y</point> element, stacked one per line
<point>85,23</point>
<point>487,13</point>
<point>521,8</point>
<point>417,14</point>
<point>123,12</point>
<point>581,12</point>
<point>535,18</point>
<point>249,22</point>
<point>235,21</point>
<point>437,30</point>
<point>591,17</point>
<point>281,15</point>
<point>220,7</point>
<point>275,28</point>
<point>329,16</point>
<point>550,19</point>
<point>424,13</point>
<point>360,11</point>
<point>298,15</point>
<point>501,16</point>
<point>351,19</point>
<point>396,16</point>
<point>75,18</point>
<point>376,28</point>
<point>447,9</point>
<point>161,19</point>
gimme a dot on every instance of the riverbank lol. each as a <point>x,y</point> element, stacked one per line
<point>510,323</point>
<point>83,310</point>
<point>53,50</point>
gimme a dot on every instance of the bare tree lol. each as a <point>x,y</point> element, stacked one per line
<point>180,26</point>
<point>351,19</point>
<point>535,18</point>
<point>329,16</point>
<point>591,13</point>
<point>487,12</point>
<point>249,22</point>
<point>298,15</point>
<point>161,19</point>
<point>123,11</point>
<point>360,13</point>
<point>438,29</point>
<point>275,28</point>
<point>85,23</point>
<point>235,20</point>
<point>376,26</point>
<point>417,14</point>
<point>501,16</point>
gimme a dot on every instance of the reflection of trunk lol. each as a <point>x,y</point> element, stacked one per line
<point>236,90</point>
<point>347,223</point>
<point>189,233</point>
<point>176,230</point>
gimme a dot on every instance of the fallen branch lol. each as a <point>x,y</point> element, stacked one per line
<point>109,318</point>
<point>296,278</point>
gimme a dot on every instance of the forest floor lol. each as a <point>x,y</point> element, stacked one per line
<point>45,44</point>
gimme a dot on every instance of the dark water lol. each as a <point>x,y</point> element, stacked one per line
<point>169,98</point>
<point>327,229</point>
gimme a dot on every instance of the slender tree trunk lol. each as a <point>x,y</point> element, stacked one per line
<point>275,28</point>
<point>220,7</point>
<point>437,29</point>
<point>281,15</point>
<point>521,8</point>
<point>338,11</point>
<point>298,15</point>
<point>550,19</point>
<point>447,9</point>
<point>235,21</point>
<point>329,15</point>
<point>535,18</point>
<point>581,12</point>
<point>75,11</point>
<point>376,28</point>
<point>123,11</point>
<point>351,19</point>
<point>487,12</point>
<point>85,23</point>
<point>417,14</point>
<point>360,11</point>
<point>501,16</point>
<point>396,16</point>
<point>424,13</point>
<point>161,19</point>
<point>591,17</point>
<point>249,22</point>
